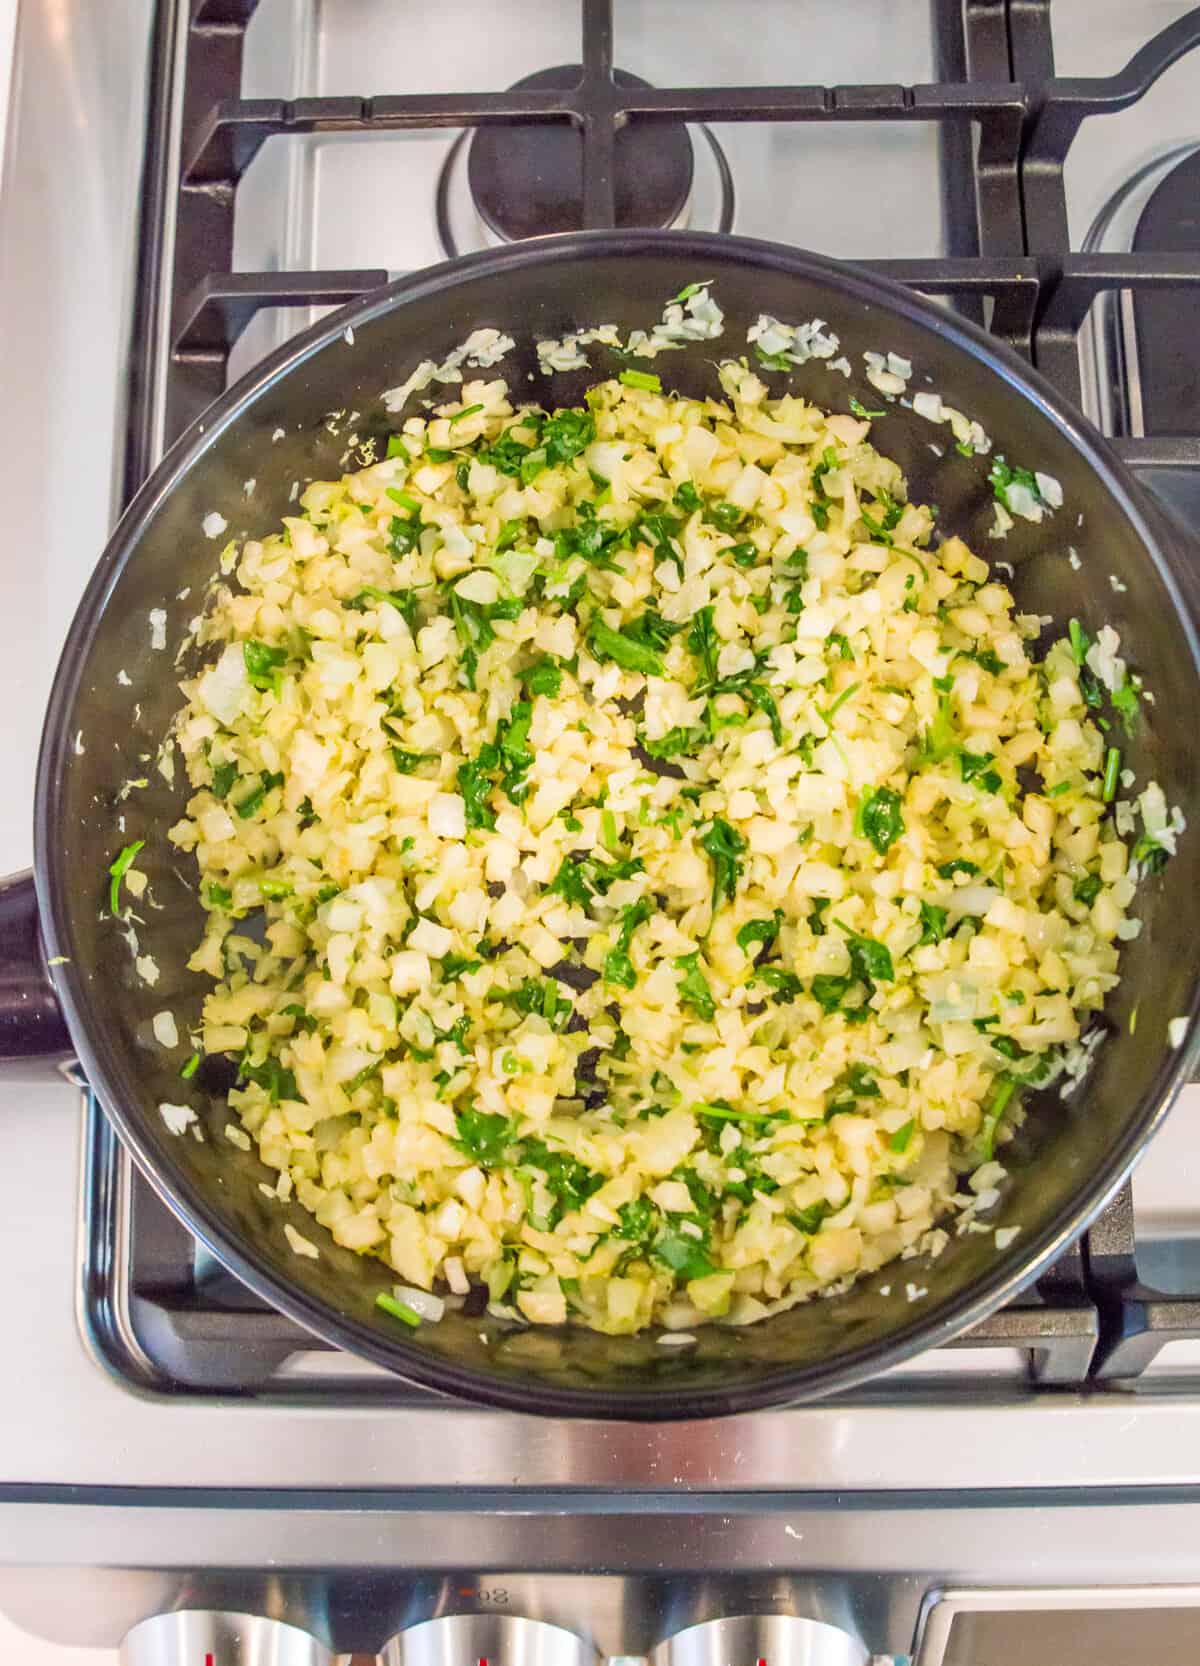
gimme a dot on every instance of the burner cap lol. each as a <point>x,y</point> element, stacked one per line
<point>527,180</point>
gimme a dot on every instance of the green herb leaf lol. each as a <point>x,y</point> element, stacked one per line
<point>860,410</point>
<point>1002,475</point>
<point>694,990</point>
<point>483,1136</point>
<point>725,845</point>
<point>475,783</point>
<point>763,932</point>
<point>957,864</point>
<point>933,923</point>
<point>618,967</point>
<point>623,647</point>
<point>879,818</point>
<point>566,434</point>
<point>223,777</point>
<point>544,677</point>
<point>974,766</point>
<point>686,1257</point>
<point>262,665</point>
<point>762,699</point>
<point>276,1081</point>
<point>808,1220</point>
<point>1087,889</point>
<point>784,985</point>
<point>870,960</point>
<point>704,643</point>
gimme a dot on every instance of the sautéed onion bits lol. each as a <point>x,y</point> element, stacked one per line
<point>673,863</point>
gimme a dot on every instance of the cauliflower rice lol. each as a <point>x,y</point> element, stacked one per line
<point>672,861</point>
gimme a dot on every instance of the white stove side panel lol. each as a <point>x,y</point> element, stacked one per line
<point>68,218</point>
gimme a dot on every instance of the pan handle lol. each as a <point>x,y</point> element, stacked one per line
<point>31,1022</point>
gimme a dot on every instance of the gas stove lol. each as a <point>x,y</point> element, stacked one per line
<point>185,185</point>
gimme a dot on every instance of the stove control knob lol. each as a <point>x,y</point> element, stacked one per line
<point>487,1640</point>
<point>770,1640</point>
<point>211,1637</point>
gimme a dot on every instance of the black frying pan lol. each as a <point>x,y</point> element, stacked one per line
<point>1068,1159</point>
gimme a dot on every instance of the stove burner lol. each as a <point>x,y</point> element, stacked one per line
<point>527,181</point>
<point>502,184</point>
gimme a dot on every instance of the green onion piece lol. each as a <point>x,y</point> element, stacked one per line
<point>461,416</point>
<point>644,379</point>
<point>1057,792</point>
<point>727,1113</point>
<point>1112,772</point>
<point>191,1067</point>
<point>398,1310</point>
<point>1001,1094</point>
<point>1079,640</point>
<point>397,448</point>
<point>404,499</point>
<point>118,871</point>
<point>827,712</point>
<point>899,1140</point>
<point>688,290</point>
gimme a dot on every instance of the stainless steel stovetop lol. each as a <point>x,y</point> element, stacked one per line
<point>164,1442</point>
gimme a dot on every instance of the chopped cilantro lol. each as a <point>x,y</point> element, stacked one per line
<point>725,845</point>
<point>263,666</point>
<point>870,960</point>
<point>544,677</point>
<point>726,517</point>
<point>958,864</point>
<point>631,647</point>
<point>475,783</point>
<point>565,435</point>
<point>933,923</point>
<point>694,990</point>
<point>223,777</point>
<point>808,1220</point>
<point>879,819</point>
<point>973,766</point>
<point>1002,475</point>
<point>784,986</point>
<point>483,1136</point>
<point>685,1256</point>
<point>618,966</point>
<point>761,932</point>
<point>675,743</point>
<point>703,642</point>
<point>516,759</point>
<point>277,1082</point>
